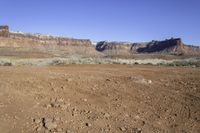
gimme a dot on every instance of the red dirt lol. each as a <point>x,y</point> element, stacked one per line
<point>99,98</point>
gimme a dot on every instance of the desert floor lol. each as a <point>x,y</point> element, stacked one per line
<point>99,98</point>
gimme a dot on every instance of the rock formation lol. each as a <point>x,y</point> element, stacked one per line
<point>41,41</point>
<point>19,39</point>
<point>168,46</point>
<point>4,31</point>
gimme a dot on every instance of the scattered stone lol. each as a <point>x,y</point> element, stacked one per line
<point>149,81</point>
<point>38,129</point>
<point>123,129</point>
<point>89,111</point>
<point>62,87</point>
<point>50,124</point>
<point>15,117</point>
<point>58,103</point>
<point>137,130</point>
<point>57,118</point>
<point>48,106</point>
<point>109,126</point>
<point>74,114</point>
<point>45,120</point>
<point>108,79</point>
<point>37,121</point>
<point>88,124</point>
<point>137,117</point>
<point>54,89</point>
<point>75,109</point>
<point>107,130</point>
<point>69,131</point>
<point>69,80</point>
<point>143,123</point>
<point>106,115</point>
<point>64,106</point>
<point>85,100</point>
<point>104,129</point>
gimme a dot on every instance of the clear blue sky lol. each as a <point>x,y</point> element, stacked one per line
<point>115,20</point>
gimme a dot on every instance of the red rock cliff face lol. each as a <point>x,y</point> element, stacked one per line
<point>4,31</point>
<point>37,40</point>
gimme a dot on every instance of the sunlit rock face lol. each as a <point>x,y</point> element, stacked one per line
<point>4,31</point>
<point>21,39</point>
<point>42,41</point>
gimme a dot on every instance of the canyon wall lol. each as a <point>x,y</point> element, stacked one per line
<point>18,39</point>
<point>84,46</point>
<point>169,46</point>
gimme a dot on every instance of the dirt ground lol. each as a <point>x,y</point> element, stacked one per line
<point>99,98</point>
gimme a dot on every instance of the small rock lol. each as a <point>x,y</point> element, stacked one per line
<point>126,115</point>
<point>62,87</point>
<point>85,100</point>
<point>122,128</point>
<point>48,106</point>
<point>15,117</point>
<point>106,115</point>
<point>54,89</point>
<point>69,80</point>
<point>107,130</point>
<point>57,118</point>
<point>137,117</point>
<point>89,111</point>
<point>60,100</point>
<point>69,131</point>
<point>47,120</point>
<point>75,109</point>
<point>108,79</point>
<point>38,129</point>
<point>137,130</point>
<point>149,81</point>
<point>37,121</point>
<point>51,125</point>
<point>143,123</point>
<point>88,124</point>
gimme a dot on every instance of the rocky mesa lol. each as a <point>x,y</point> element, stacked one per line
<point>174,46</point>
<point>19,39</point>
<point>169,46</point>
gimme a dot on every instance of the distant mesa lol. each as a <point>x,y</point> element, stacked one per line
<point>40,39</point>
<point>169,46</point>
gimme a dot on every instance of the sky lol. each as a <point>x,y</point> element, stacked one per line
<point>112,20</point>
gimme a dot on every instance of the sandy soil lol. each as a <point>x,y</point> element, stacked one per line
<point>99,98</point>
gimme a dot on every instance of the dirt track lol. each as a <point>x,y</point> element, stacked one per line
<point>99,98</point>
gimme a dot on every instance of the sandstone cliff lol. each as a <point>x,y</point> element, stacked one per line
<point>84,46</point>
<point>18,39</point>
<point>168,46</point>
